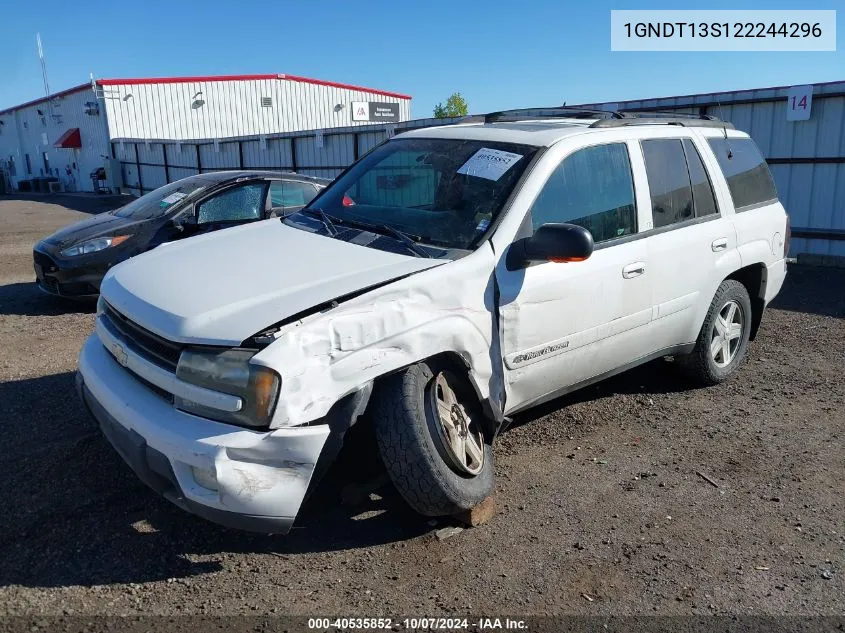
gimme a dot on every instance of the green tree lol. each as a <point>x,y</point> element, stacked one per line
<point>456,105</point>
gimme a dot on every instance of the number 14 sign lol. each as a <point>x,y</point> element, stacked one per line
<point>799,103</point>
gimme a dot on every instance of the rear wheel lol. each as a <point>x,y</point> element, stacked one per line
<point>723,340</point>
<point>428,433</point>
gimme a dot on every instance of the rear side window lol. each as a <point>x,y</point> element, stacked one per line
<point>593,188</point>
<point>668,181</point>
<point>745,169</point>
<point>289,193</point>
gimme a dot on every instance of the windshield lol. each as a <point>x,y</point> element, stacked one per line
<point>443,192</point>
<point>161,201</point>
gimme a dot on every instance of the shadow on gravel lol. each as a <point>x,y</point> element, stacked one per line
<point>27,299</point>
<point>814,290</point>
<point>74,514</point>
<point>85,203</point>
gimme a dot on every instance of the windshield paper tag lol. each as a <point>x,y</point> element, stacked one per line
<point>173,198</point>
<point>489,163</point>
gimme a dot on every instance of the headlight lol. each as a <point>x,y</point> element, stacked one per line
<point>92,246</point>
<point>229,371</point>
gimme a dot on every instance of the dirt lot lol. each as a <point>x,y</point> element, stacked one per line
<point>601,509</point>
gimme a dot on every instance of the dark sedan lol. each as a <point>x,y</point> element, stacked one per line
<point>72,262</point>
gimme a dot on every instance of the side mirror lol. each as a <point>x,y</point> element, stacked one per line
<point>551,243</point>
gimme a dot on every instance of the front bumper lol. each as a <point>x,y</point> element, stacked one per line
<point>261,477</point>
<point>74,282</point>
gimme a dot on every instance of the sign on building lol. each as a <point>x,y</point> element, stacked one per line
<point>375,111</point>
<point>799,103</point>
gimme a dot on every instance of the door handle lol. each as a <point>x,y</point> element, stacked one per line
<point>633,270</point>
<point>719,245</point>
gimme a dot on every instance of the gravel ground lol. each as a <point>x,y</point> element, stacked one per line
<point>601,511</point>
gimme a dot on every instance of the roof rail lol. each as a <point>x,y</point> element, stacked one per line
<point>691,121</point>
<point>526,114</point>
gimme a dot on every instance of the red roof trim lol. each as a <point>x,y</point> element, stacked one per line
<point>334,84</point>
<point>198,79</point>
<point>55,95</point>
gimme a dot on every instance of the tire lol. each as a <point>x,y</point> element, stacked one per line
<point>423,469</point>
<point>711,367</point>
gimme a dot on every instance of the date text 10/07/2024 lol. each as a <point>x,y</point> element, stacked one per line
<point>417,624</point>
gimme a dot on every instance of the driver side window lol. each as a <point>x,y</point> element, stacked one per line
<point>238,204</point>
<point>593,188</point>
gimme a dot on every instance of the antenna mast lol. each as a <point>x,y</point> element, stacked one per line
<point>43,65</point>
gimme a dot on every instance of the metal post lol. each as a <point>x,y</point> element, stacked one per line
<point>355,149</point>
<point>293,153</point>
<point>138,167</point>
<point>199,162</point>
<point>240,154</point>
<point>166,166</point>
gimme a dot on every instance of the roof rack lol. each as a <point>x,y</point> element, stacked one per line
<point>606,118</point>
<point>526,114</point>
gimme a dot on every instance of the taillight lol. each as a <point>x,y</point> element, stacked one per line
<point>788,237</point>
<point>347,201</point>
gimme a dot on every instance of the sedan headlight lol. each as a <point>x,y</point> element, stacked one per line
<point>229,371</point>
<point>92,246</point>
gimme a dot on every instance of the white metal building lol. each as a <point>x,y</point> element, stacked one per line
<point>71,133</point>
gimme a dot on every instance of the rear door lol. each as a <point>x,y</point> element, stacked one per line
<point>563,324</point>
<point>691,243</point>
<point>287,196</point>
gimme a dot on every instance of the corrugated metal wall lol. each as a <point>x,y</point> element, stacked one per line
<point>807,158</point>
<point>323,153</point>
<point>34,135</point>
<point>223,109</point>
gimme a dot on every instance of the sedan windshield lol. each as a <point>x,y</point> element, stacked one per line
<point>160,202</point>
<point>442,192</point>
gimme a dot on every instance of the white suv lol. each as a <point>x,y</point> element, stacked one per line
<point>449,278</point>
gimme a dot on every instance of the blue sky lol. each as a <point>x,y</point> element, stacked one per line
<point>497,54</point>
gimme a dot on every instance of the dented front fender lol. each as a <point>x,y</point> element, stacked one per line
<point>450,308</point>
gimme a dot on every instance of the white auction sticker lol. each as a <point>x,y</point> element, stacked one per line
<point>489,163</point>
<point>173,198</point>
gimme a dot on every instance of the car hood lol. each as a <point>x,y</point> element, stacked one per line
<point>223,287</point>
<point>100,225</point>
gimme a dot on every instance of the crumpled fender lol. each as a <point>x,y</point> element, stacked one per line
<point>449,308</point>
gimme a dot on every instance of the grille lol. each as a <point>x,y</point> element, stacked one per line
<point>155,349</point>
<point>45,261</point>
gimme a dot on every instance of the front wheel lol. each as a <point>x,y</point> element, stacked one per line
<point>429,435</point>
<point>723,340</point>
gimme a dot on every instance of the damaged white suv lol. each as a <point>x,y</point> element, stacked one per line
<point>449,278</point>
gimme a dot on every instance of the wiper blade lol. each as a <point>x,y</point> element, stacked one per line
<point>324,217</point>
<point>405,238</point>
<point>410,241</point>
